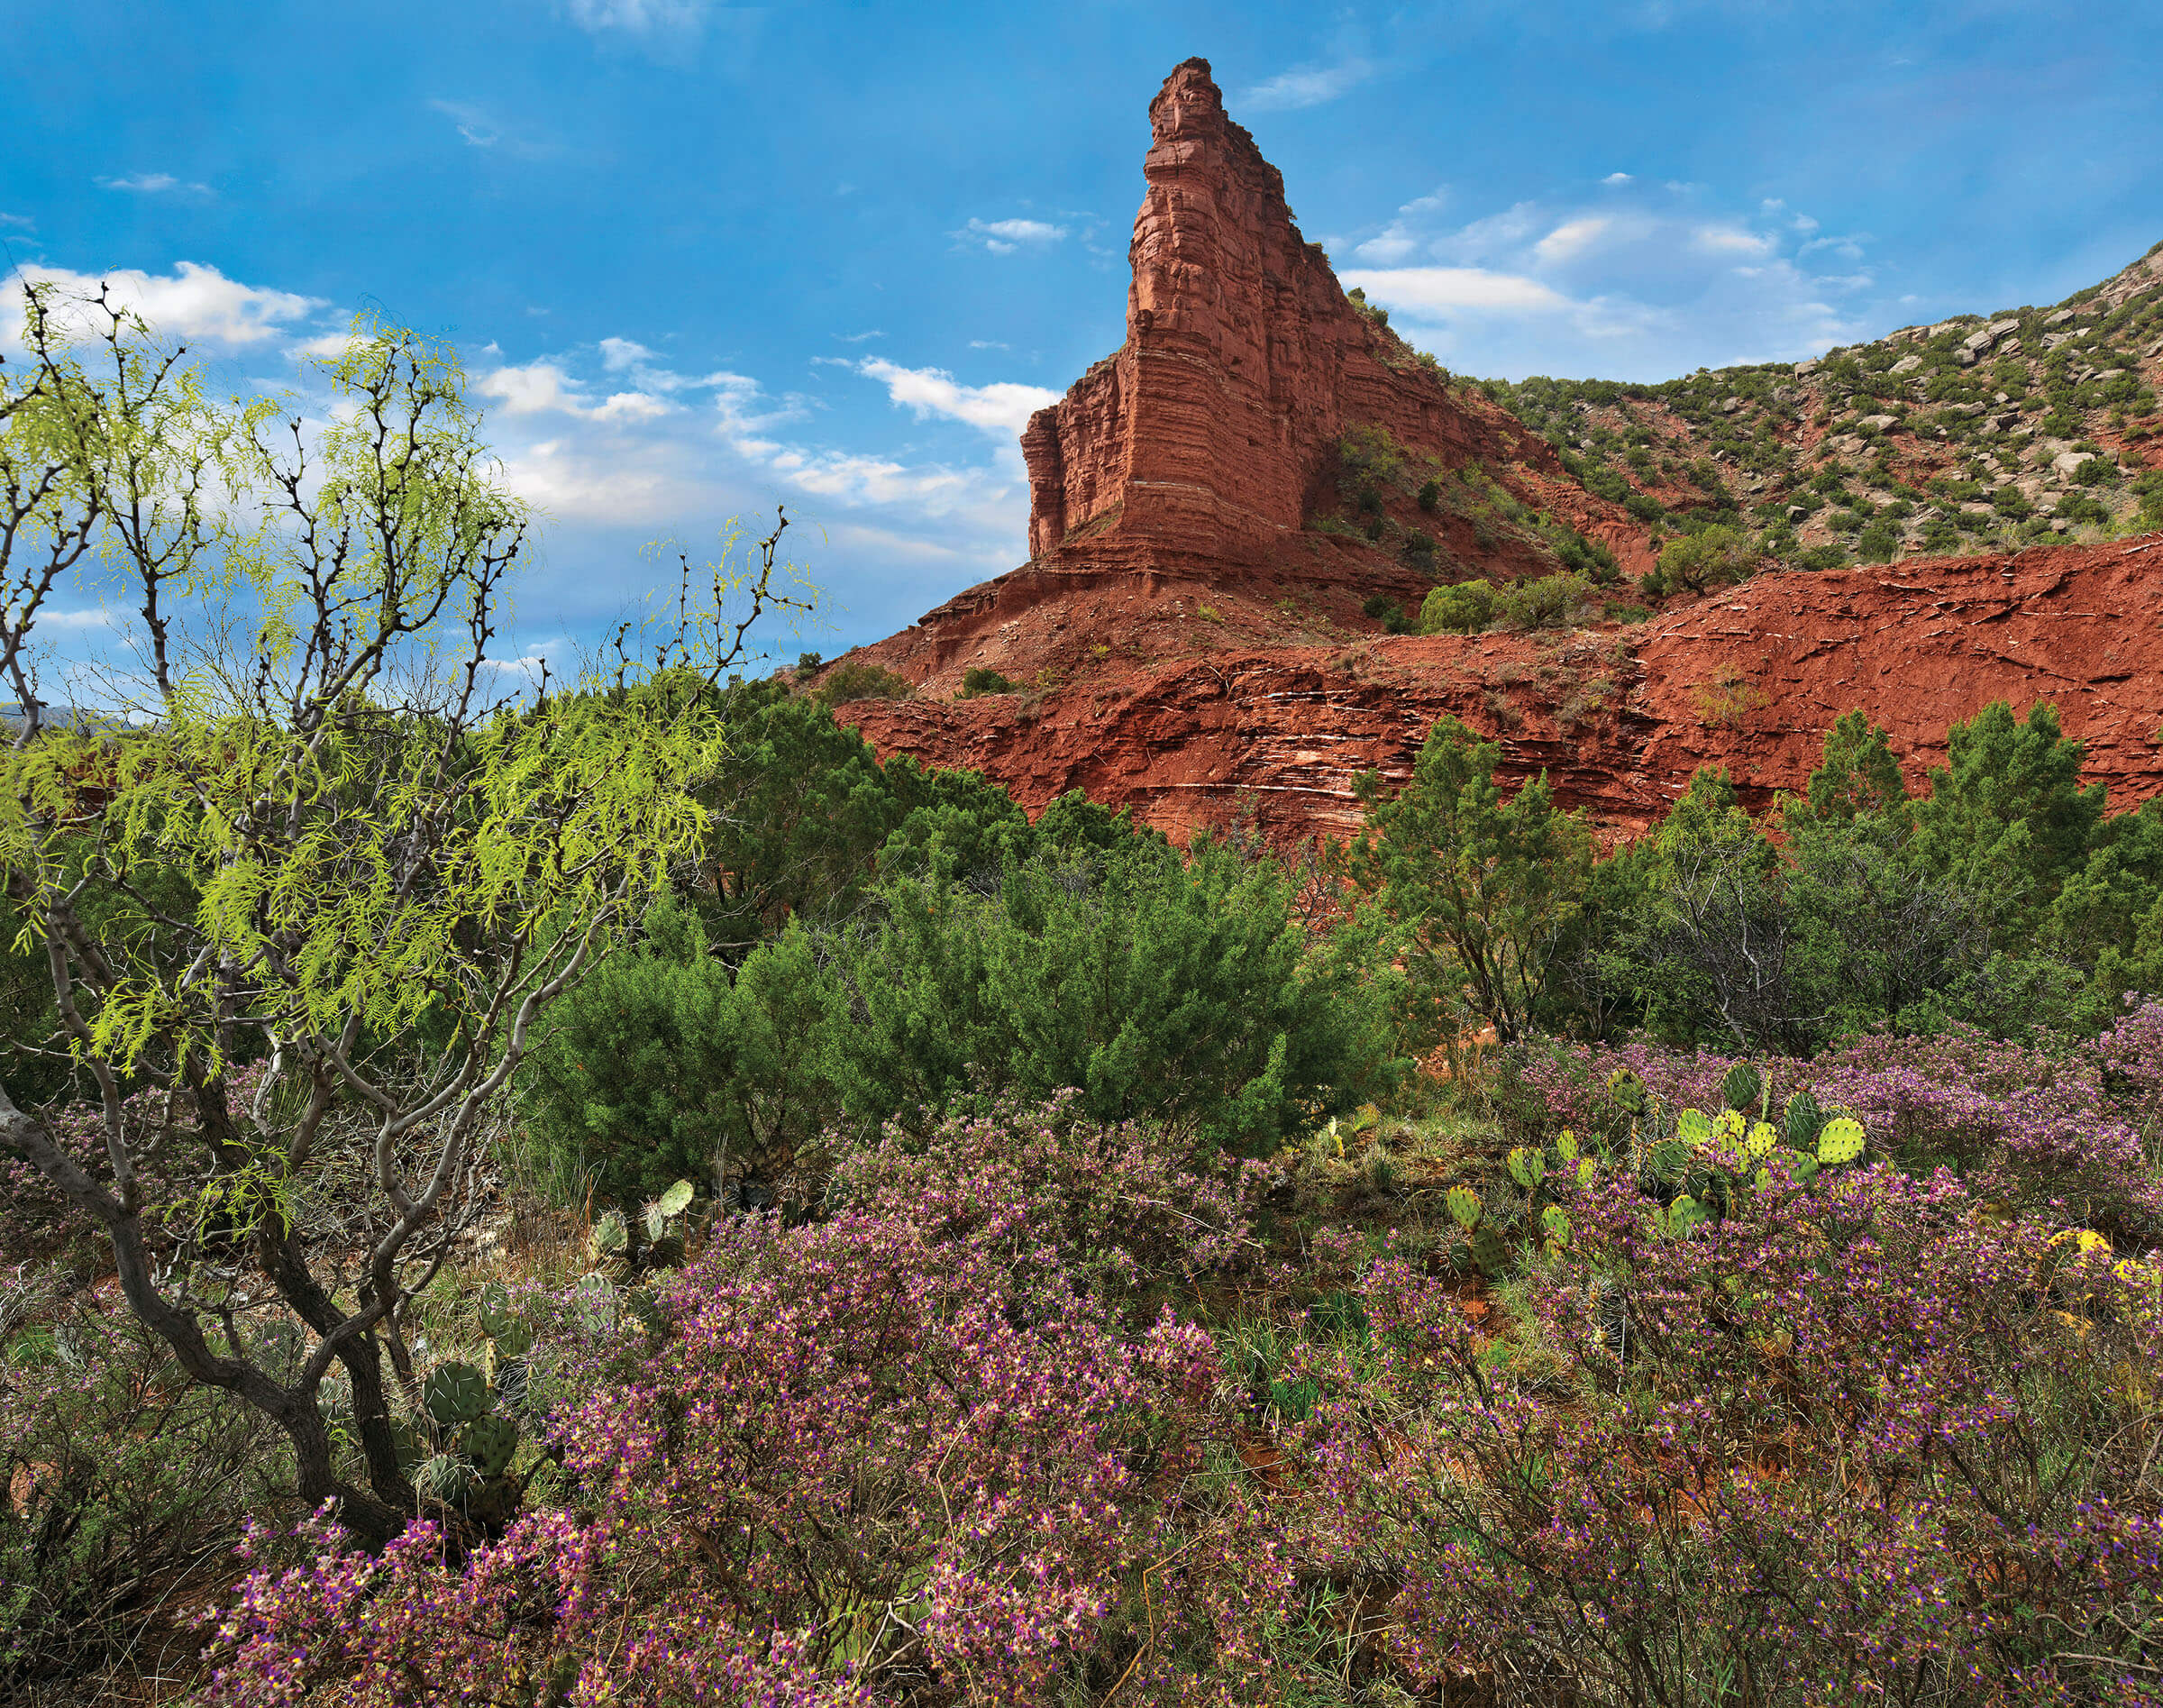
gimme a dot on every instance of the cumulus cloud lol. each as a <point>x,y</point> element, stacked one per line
<point>1307,86</point>
<point>1004,236</point>
<point>1633,289</point>
<point>1002,408</point>
<point>153,184</point>
<point>193,302</point>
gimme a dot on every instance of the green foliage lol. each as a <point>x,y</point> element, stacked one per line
<point>1463,608</point>
<point>1181,992</point>
<point>1710,557</point>
<point>1389,612</point>
<point>860,679</point>
<point>1549,601</point>
<point>1430,495</point>
<point>2007,816</point>
<point>1857,773</point>
<point>1487,889</point>
<point>979,679</point>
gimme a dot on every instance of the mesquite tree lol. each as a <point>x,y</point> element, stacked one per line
<point>301,916</point>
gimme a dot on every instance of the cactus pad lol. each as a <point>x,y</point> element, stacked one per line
<point>512,1341</point>
<point>1555,1224</point>
<point>1629,1091</point>
<point>1490,1251</point>
<point>676,1199</point>
<point>1803,1166</point>
<point>441,1478</point>
<point>1528,1167</point>
<point>1804,1120</point>
<point>1586,1169</point>
<point>454,1394</point>
<point>1840,1142</point>
<point>1729,1126</point>
<point>610,1234</point>
<point>490,1442</point>
<point>1744,1086</point>
<point>1565,1146</point>
<point>1762,1138</point>
<point>1667,1159</point>
<point>1464,1206</point>
<point>1684,1214</point>
<point>1692,1127</point>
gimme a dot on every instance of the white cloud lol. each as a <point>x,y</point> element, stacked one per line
<point>858,337</point>
<point>1732,240</point>
<point>1004,236</point>
<point>532,389</point>
<point>1002,407</point>
<point>1637,287</point>
<point>1571,239</point>
<point>472,124</point>
<point>988,343</point>
<point>638,17</point>
<point>1306,85</point>
<point>1617,177</point>
<point>619,353</point>
<point>1435,292</point>
<point>153,184</point>
<point>193,302</point>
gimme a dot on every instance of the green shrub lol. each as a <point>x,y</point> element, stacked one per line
<point>859,679</point>
<point>1711,557</point>
<point>1389,613</point>
<point>1463,608</point>
<point>1552,601</point>
<point>1879,543</point>
<point>1431,496</point>
<point>979,679</point>
<point>1184,993</point>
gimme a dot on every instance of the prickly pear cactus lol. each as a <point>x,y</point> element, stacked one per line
<point>610,1237</point>
<point>1761,1140</point>
<point>1693,1126</point>
<point>1565,1146</point>
<point>1804,1120</point>
<point>1586,1169</point>
<point>1841,1142</point>
<point>443,1478</point>
<point>666,1252</point>
<point>1556,1225</point>
<point>1528,1167</point>
<point>1744,1087</point>
<point>1464,1205</point>
<point>1629,1091</point>
<point>674,1201</point>
<point>513,1340</point>
<point>1668,1158</point>
<point>490,1442</point>
<point>1682,1215</point>
<point>1490,1251</point>
<point>454,1394</point>
<point>1803,1166</point>
<point>1728,1127</point>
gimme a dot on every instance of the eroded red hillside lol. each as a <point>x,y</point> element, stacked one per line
<point>1619,717</point>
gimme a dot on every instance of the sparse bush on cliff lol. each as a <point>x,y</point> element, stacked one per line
<point>1463,608</point>
<point>1548,601</point>
<point>980,678</point>
<point>859,679</point>
<point>1712,557</point>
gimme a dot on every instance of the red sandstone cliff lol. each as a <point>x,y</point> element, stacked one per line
<point>1243,363</point>
<point>1194,649</point>
<point>1620,718</point>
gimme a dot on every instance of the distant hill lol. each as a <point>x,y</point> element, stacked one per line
<point>2008,429</point>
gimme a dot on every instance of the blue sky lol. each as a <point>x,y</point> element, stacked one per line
<point>700,258</point>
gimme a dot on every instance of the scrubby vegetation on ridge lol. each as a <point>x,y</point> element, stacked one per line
<point>618,1196</point>
<point>1976,433</point>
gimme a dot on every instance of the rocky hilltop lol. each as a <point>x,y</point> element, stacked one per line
<point>1233,515</point>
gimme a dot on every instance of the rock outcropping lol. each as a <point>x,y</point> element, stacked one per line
<point>1205,435</point>
<point>1195,636</point>
<point>1749,680</point>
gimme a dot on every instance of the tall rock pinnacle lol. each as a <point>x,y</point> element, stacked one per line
<point>1243,363</point>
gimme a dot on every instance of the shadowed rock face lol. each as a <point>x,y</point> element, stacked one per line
<point>1243,363</point>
